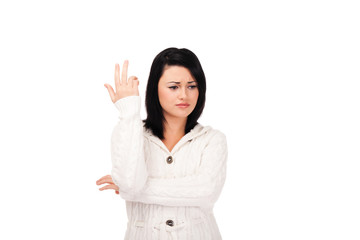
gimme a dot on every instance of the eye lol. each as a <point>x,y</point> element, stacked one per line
<point>173,87</point>
<point>193,87</point>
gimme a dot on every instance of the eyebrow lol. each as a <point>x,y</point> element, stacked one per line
<point>179,82</point>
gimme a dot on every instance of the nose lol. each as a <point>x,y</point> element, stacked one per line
<point>182,93</point>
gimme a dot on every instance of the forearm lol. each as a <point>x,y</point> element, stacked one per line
<point>192,191</point>
<point>127,147</point>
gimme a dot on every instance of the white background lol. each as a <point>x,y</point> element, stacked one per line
<point>283,85</point>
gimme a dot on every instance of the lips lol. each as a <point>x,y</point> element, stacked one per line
<point>183,105</point>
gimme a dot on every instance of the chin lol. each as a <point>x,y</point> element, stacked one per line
<point>179,115</point>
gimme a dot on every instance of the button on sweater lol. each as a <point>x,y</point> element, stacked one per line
<point>168,194</point>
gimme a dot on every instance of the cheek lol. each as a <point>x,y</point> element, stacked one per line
<point>195,96</point>
<point>164,96</point>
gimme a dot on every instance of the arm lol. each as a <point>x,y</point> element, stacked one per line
<point>201,189</point>
<point>129,171</point>
<point>127,155</point>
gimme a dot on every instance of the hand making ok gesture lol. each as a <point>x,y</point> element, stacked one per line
<point>124,87</point>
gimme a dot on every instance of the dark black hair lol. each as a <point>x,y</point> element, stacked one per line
<point>172,57</point>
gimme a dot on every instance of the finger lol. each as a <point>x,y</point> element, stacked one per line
<point>111,91</point>
<point>132,81</point>
<point>136,83</point>
<point>105,179</point>
<point>104,182</point>
<point>108,187</point>
<point>117,77</point>
<point>124,72</point>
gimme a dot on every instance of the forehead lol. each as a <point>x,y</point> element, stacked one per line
<point>176,74</point>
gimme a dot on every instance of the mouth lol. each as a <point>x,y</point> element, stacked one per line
<point>183,105</point>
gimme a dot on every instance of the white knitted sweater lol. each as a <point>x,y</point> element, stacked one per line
<point>169,195</point>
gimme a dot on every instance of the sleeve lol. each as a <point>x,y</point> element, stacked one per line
<point>127,147</point>
<point>201,189</point>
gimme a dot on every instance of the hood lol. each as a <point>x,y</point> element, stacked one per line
<point>197,131</point>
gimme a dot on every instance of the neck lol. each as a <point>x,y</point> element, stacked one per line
<point>174,126</point>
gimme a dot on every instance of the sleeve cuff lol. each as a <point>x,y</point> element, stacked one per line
<point>128,106</point>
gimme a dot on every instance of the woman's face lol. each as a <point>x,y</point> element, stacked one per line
<point>177,86</point>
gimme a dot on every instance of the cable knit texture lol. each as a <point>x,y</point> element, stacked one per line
<point>167,199</point>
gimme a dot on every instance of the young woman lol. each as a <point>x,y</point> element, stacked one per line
<point>169,168</point>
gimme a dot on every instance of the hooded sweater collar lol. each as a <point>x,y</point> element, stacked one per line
<point>197,131</point>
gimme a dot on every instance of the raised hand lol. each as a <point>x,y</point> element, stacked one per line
<point>124,87</point>
<point>107,179</point>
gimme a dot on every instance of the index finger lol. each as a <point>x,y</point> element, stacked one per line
<point>106,178</point>
<point>117,77</point>
<point>124,72</point>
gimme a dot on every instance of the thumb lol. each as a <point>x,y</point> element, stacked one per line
<point>111,91</point>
